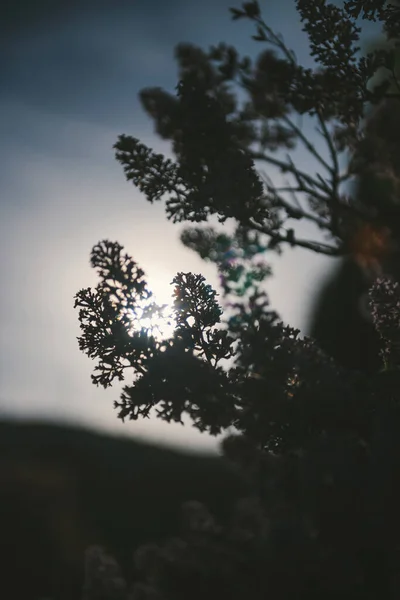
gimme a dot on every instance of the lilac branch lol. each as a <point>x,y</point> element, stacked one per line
<point>310,147</point>
<point>290,239</point>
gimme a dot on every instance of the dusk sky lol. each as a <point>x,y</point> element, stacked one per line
<point>69,83</point>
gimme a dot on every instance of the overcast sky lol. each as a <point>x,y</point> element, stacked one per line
<point>69,82</point>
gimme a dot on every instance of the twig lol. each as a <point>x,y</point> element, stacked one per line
<point>296,212</point>
<point>287,168</point>
<point>332,150</point>
<point>275,40</point>
<point>310,147</point>
<point>320,248</point>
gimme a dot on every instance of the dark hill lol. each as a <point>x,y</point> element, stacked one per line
<point>62,489</point>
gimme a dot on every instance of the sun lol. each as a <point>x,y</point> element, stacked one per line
<point>156,319</point>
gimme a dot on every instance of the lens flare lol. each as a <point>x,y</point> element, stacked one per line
<point>156,319</point>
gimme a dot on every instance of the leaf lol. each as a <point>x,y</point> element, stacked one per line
<point>260,37</point>
<point>252,9</point>
<point>237,14</point>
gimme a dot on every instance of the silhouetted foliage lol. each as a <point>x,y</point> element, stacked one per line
<point>340,318</point>
<point>316,442</point>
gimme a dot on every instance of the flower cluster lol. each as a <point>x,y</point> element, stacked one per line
<point>385,309</point>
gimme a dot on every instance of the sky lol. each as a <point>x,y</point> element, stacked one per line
<point>70,73</point>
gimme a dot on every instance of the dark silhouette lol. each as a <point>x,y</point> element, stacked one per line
<point>317,443</point>
<point>340,320</point>
<point>64,489</point>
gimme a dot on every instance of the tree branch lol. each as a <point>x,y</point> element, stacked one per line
<point>276,40</point>
<point>298,213</point>
<point>292,211</point>
<point>334,174</point>
<point>287,168</point>
<point>320,248</point>
<point>310,147</point>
